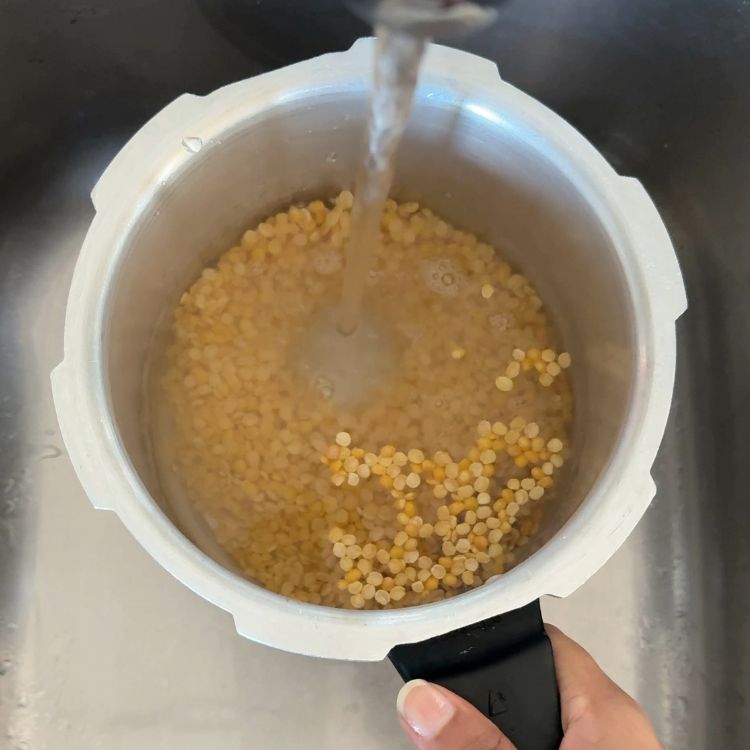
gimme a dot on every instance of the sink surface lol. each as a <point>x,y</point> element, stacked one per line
<point>99,647</point>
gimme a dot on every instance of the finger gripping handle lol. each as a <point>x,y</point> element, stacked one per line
<point>503,666</point>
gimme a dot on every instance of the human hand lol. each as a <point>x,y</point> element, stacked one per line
<point>596,713</point>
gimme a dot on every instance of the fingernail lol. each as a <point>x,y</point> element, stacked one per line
<point>424,708</point>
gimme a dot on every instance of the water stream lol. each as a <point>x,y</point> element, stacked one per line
<point>397,60</point>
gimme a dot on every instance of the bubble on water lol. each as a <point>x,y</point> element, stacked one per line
<point>501,321</point>
<point>441,276</point>
<point>373,277</point>
<point>325,387</point>
<point>192,143</point>
<point>409,329</point>
<point>516,403</point>
<point>327,262</point>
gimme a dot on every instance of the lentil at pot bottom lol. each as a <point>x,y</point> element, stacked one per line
<point>425,488</point>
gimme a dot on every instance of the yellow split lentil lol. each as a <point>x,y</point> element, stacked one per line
<point>426,488</point>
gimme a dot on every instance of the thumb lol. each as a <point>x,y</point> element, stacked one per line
<point>436,719</point>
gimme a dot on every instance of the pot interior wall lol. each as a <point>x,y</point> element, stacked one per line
<point>480,171</point>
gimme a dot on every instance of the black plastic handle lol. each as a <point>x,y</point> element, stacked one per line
<point>503,666</point>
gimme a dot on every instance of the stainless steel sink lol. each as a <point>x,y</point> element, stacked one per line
<point>100,648</point>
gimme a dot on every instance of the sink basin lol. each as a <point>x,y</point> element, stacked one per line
<point>99,647</point>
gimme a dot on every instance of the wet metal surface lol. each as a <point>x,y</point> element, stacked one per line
<point>99,647</point>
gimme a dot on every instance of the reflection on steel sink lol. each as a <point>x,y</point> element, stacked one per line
<point>100,648</point>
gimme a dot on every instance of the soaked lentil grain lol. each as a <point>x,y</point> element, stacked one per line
<point>425,489</point>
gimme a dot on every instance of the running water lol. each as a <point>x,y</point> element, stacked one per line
<point>402,28</point>
<point>397,60</point>
<point>353,349</point>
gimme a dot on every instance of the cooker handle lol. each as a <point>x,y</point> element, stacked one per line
<point>503,666</point>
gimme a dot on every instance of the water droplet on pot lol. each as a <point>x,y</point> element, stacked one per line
<point>193,144</point>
